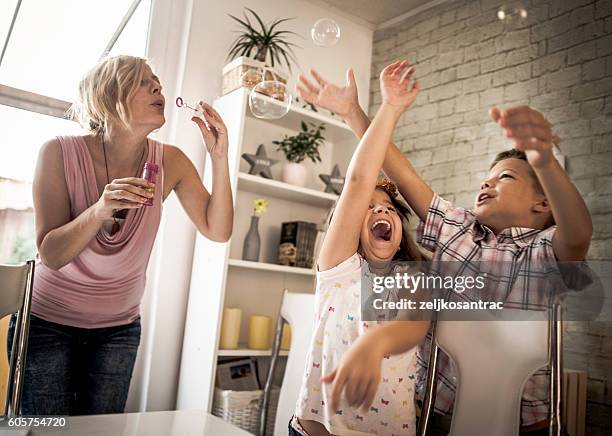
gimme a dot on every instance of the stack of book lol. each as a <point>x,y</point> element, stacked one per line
<point>297,244</point>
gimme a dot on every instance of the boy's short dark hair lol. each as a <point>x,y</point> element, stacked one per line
<point>513,153</point>
<point>516,154</point>
<point>507,154</point>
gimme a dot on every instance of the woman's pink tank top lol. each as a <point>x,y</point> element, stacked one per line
<point>103,285</point>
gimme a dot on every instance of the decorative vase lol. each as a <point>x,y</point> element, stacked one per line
<point>252,242</point>
<point>295,174</point>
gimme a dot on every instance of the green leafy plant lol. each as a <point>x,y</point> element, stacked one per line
<point>303,145</point>
<point>263,43</point>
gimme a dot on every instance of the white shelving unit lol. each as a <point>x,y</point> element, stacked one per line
<point>263,266</point>
<point>337,130</point>
<point>259,185</point>
<point>220,278</point>
<point>240,352</point>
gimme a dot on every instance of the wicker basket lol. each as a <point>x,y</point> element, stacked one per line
<point>232,73</point>
<point>241,408</point>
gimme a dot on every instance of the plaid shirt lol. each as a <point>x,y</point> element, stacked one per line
<point>453,234</point>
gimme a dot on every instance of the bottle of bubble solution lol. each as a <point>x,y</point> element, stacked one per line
<point>150,175</point>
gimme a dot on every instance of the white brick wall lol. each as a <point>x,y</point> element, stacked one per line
<point>559,61</point>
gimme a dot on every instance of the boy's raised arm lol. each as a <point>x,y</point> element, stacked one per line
<point>532,134</point>
<point>344,101</point>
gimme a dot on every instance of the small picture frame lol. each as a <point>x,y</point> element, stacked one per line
<point>239,375</point>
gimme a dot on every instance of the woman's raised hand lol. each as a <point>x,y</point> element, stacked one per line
<point>126,193</point>
<point>342,100</point>
<point>394,85</point>
<point>213,131</point>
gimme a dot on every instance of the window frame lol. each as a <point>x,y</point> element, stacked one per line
<point>44,104</point>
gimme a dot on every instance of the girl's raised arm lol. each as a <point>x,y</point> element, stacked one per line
<point>342,239</point>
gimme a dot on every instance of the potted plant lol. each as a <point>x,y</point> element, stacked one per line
<point>299,147</point>
<point>259,47</point>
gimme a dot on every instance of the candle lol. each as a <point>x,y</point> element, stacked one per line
<point>259,332</point>
<point>230,328</point>
<point>286,340</point>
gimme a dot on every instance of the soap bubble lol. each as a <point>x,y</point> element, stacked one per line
<point>511,14</point>
<point>251,77</point>
<point>325,32</point>
<point>270,100</point>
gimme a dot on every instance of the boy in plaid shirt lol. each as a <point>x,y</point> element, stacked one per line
<point>527,210</point>
<point>509,224</point>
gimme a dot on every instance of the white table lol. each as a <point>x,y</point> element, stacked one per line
<point>170,423</point>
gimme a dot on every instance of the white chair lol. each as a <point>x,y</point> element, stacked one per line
<point>493,360</point>
<point>16,296</point>
<point>298,310</point>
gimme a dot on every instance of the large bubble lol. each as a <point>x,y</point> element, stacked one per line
<point>325,32</point>
<point>270,100</point>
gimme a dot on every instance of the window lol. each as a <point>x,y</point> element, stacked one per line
<point>55,42</point>
<point>52,44</point>
<point>6,16</point>
<point>22,136</point>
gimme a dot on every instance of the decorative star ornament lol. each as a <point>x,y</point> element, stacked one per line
<point>334,182</point>
<point>260,162</point>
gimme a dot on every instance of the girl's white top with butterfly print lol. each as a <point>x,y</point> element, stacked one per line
<point>337,325</point>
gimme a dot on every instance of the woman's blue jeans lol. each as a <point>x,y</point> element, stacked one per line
<point>77,371</point>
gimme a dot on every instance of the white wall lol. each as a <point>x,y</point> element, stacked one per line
<point>189,42</point>
<point>163,306</point>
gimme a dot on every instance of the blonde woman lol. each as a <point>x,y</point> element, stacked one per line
<point>95,234</point>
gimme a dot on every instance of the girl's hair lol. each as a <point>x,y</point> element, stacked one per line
<point>104,93</point>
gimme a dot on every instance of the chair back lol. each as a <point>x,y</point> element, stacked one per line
<point>298,310</point>
<point>494,357</point>
<point>16,297</point>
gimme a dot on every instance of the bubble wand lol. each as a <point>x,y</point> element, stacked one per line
<point>197,112</point>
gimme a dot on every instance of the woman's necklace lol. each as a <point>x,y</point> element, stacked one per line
<point>121,214</point>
